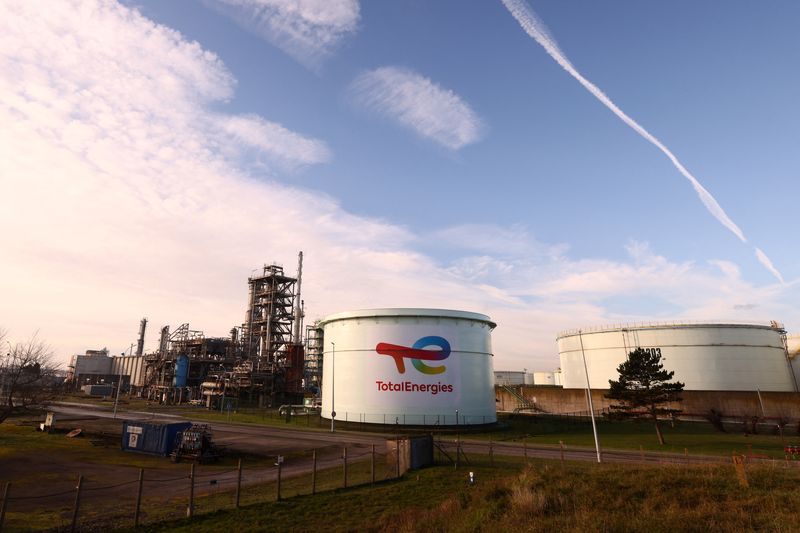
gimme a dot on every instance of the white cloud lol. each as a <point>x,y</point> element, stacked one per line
<point>273,139</point>
<point>420,104</point>
<point>307,30</point>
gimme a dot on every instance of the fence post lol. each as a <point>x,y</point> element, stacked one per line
<point>371,468</point>
<point>77,503</point>
<point>280,464</point>
<point>491,453</point>
<point>138,499</point>
<point>641,452</point>
<point>190,509</point>
<point>397,457</point>
<point>5,502</point>
<point>344,466</point>
<point>238,483</point>
<point>458,449</point>
<point>525,449</point>
<point>314,472</point>
<point>561,445</point>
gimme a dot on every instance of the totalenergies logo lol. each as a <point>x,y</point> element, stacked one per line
<point>417,353</point>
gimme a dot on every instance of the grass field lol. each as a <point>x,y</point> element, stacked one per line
<point>542,496</point>
<point>509,495</point>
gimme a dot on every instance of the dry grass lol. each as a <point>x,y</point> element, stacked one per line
<point>547,497</point>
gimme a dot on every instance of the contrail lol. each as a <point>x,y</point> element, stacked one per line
<point>534,27</point>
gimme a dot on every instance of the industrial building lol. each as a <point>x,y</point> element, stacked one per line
<point>407,367</point>
<point>704,356</point>
<point>262,362</point>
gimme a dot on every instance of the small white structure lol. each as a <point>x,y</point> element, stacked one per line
<point>706,356</point>
<point>408,366</point>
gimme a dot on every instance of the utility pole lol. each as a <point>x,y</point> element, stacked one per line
<point>333,386</point>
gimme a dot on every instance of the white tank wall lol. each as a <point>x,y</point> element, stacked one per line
<point>130,365</point>
<point>793,346</point>
<point>509,378</point>
<point>355,377</point>
<point>544,378</point>
<point>703,356</point>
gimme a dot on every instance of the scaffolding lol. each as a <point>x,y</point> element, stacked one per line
<point>267,330</point>
<point>262,363</point>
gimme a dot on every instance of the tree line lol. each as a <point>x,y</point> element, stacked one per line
<point>28,375</point>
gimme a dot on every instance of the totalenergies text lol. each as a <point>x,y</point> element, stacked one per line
<point>407,386</point>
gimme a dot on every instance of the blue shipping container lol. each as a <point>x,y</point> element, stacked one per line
<point>148,437</point>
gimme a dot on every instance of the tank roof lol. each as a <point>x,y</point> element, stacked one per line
<point>678,324</point>
<point>408,312</point>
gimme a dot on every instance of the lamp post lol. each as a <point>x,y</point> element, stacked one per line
<point>333,386</point>
<point>119,384</point>
<point>589,397</point>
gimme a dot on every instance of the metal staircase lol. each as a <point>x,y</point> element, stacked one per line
<point>522,403</point>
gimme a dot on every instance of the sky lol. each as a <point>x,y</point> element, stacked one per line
<point>554,165</point>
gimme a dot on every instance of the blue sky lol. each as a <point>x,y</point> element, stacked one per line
<point>420,153</point>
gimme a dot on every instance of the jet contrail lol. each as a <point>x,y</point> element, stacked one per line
<point>534,27</point>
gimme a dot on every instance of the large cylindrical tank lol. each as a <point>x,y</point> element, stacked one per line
<point>181,371</point>
<point>408,366</point>
<point>544,378</point>
<point>793,349</point>
<point>715,357</point>
<point>509,378</point>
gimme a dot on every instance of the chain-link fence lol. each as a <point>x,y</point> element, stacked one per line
<point>145,496</point>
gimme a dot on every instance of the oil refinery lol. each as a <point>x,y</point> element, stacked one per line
<point>416,366</point>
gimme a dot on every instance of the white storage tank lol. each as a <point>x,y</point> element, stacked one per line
<point>544,378</point>
<point>408,366</point>
<point>509,378</point>
<point>715,357</point>
<point>793,348</point>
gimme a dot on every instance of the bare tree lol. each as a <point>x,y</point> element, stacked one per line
<point>27,375</point>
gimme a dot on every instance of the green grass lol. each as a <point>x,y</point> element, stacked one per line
<point>353,509</point>
<point>696,437</point>
<point>18,438</point>
<point>543,496</point>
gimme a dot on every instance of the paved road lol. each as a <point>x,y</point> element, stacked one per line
<point>276,440</point>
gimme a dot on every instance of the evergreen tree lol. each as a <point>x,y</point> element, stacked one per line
<point>643,388</point>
